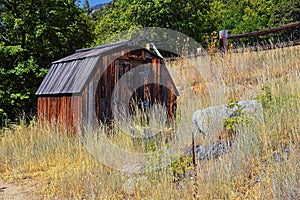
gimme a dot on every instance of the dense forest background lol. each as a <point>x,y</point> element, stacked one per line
<point>34,33</point>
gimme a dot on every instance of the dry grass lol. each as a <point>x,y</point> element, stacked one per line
<point>263,163</point>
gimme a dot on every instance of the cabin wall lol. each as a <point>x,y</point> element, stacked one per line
<point>88,105</point>
<point>105,80</point>
<point>108,72</point>
<point>63,110</point>
<point>163,91</point>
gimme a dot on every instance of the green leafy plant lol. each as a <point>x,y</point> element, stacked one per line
<point>266,97</point>
<point>181,166</point>
<point>237,117</point>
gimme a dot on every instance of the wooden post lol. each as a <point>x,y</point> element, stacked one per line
<point>223,37</point>
<point>149,46</point>
<point>195,184</point>
<point>194,152</point>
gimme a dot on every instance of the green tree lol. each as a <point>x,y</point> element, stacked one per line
<point>34,34</point>
<point>86,7</point>
<point>244,16</point>
<point>286,11</point>
<point>194,18</point>
<point>113,20</point>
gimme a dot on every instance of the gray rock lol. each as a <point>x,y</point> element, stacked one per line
<point>281,156</point>
<point>137,168</point>
<point>209,151</point>
<point>210,121</point>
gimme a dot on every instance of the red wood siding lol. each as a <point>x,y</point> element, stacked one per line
<point>63,110</point>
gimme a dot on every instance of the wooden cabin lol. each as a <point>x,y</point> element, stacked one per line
<point>89,85</point>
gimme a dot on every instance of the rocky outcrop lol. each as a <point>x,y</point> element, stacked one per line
<point>210,121</point>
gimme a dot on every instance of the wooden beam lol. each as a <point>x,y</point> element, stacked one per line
<point>264,32</point>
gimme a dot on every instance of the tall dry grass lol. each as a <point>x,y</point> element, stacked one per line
<point>263,162</point>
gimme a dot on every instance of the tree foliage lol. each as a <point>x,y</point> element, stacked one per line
<point>195,18</point>
<point>34,34</point>
<point>247,15</point>
<point>286,12</point>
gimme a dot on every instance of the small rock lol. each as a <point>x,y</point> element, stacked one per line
<point>135,183</point>
<point>209,151</point>
<point>281,156</point>
<point>137,168</point>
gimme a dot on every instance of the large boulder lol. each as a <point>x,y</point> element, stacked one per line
<point>210,121</point>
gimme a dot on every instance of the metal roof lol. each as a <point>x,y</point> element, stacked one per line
<point>69,75</point>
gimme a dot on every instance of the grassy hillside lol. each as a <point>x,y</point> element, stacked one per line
<point>263,162</point>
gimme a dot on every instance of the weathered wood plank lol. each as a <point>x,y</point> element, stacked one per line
<point>91,104</point>
<point>265,32</point>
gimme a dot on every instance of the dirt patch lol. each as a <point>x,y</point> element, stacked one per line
<point>18,190</point>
